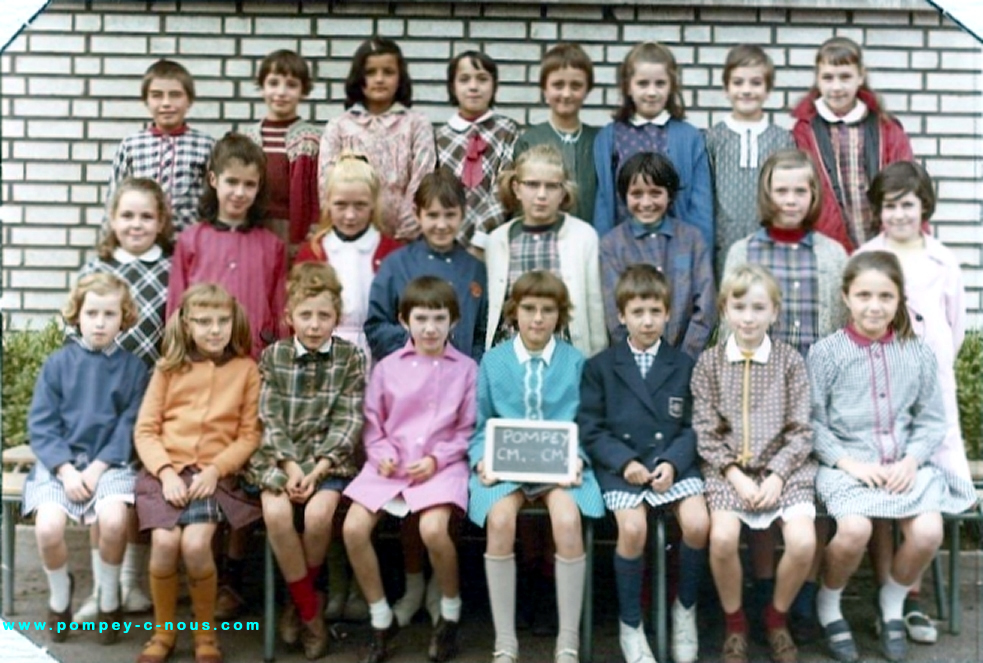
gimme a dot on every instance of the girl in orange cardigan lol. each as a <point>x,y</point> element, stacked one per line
<point>197,427</point>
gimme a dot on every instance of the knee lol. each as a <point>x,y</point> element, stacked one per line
<point>317,516</point>
<point>852,535</point>
<point>196,549</point>
<point>433,532</point>
<point>113,521</point>
<point>356,530</point>
<point>724,541</point>
<point>696,532</point>
<point>501,525</point>
<point>801,545</point>
<point>632,535</point>
<point>165,543</point>
<point>277,513</point>
<point>927,532</point>
<point>50,531</point>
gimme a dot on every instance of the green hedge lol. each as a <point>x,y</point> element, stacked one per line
<point>25,351</point>
<point>23,354</point>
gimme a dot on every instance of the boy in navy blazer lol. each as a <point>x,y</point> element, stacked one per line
<point>635,409</point>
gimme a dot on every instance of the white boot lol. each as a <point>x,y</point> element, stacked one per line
<point>634,645</point>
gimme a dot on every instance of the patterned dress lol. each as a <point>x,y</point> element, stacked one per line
<point>177,161</point>
<point>753,411</point>
<point>484,146</point>
<point>514,385</point>
<point>147,275</point>
<point>400,146</point>
<point>291,149</point>
<point>737,150</point>
<point>877,402</point>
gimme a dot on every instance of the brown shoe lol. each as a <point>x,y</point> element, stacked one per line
<point>110,636</point>
<point>228,603</point>
<point>783,649</point>
<point>157,650</point>
<point>443,641</point>
<point>315,636</point>
<point>207,651</point>
<point>64,617</point>
<point>379,647</point>
<point>289,625</point>
<point>735,648</point>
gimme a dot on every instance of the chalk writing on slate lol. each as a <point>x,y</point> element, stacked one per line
<point>531,451</point>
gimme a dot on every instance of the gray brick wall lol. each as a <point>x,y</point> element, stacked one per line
<point>70,87</point>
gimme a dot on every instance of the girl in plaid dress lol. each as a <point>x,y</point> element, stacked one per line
<point>903,199</point>
<point>651,120</point>
<point>137,250</point>
<point>879,417</point>
<point>545,237</point>
<point>843,126</point>
<point>198,425</point>
<point>378,122</point>
<point>751,417</point>
<point>476,144</point>
<point>81,429</point>
<point>310,404</point>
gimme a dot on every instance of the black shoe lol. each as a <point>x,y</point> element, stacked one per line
<point>894,640</point>
<point>805,628</point>
<point>443,641</point>
<point>110,636</point>
<point>379,647</point>
<point>64,617</point>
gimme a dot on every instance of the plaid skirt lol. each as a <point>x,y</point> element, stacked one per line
<point>228,503</point>
<point>42,487</point>
<point>618,500</point>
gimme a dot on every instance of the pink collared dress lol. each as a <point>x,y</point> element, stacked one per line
<point>937,306</point>
<point>417,406</point>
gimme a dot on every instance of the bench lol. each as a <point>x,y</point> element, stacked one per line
<point>17,462</point>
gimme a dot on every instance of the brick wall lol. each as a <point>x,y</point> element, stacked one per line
<point>70,87</point>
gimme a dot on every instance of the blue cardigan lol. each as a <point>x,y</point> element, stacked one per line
<point>688,152</point>
<point>86,402</point>
<point>504,391</point>
<point>462,270</point>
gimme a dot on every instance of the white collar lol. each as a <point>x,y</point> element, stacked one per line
<point>858,113</point>
<point>367,243</point>
<point>360,109</point>
<point>748,133</point>
<point>760,356</point>
<point>458,123</point>
<point>153,254</point>
<point>523,354</point>
<point>659,120</point>
<point>300,350</point>
<point>654,350</point>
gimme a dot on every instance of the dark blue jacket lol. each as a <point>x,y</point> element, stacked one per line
<point>624,418</point>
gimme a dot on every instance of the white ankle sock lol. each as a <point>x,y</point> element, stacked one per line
<point>134,565</point>
<point>380,614</point>
<point>60,586</point>
<point>109,576</point>
<point>450,609</point>
<point>828,605</point>
<point>891,598</point>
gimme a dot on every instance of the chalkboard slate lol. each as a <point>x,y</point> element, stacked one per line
<point>531,451</point>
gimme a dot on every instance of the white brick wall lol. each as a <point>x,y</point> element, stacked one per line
<point>71,86</point>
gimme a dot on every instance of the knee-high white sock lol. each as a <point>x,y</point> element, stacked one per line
<point>60,586</point>
<point>828,605</point>
<point>500,574</point>
<point>569,600</point>
<point>109,580</point>
<point>891,599</point>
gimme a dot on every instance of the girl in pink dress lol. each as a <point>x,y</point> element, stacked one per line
<point>420,409</point>
<point>903,199</point>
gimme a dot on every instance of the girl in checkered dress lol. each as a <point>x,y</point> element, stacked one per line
<point>198,426</point>
<point>843,126</point>
<point>544,237</point>
<point>379,123</point>
<point>878,418</point>
<point>903,198</point>
<point>476,144</point>
<point>81,428</point>
<point>751,417</point>
<point>137,250</point>
<point>651,120</point>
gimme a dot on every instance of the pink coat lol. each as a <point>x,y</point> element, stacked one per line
<point>936,304</point>
<point>418,406</point>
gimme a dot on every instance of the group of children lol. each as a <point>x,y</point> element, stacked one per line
<point>365,373</point>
